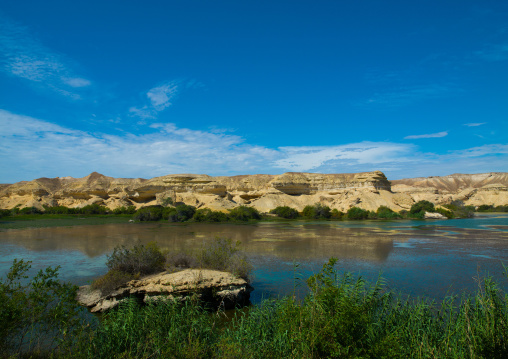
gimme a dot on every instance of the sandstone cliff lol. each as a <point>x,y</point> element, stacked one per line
<point>367,190</point>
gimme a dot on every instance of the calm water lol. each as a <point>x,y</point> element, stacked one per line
<point>425,258</point>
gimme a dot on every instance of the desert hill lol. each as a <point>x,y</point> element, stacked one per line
<point>367,190</point>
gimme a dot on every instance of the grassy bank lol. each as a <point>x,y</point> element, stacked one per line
<point>342,317</point>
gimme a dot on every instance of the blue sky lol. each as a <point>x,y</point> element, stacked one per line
<point>144,89</point>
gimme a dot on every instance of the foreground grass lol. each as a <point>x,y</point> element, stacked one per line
<point>342,317</point>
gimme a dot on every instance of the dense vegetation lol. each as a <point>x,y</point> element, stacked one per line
<point>185,213</point>
<point>342,317</point>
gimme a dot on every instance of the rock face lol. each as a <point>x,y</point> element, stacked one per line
<point>472,189</point>
<point>221,289</point>
<point>367,190</point>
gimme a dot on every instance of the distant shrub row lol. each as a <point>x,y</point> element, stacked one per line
<point>89,209</point>
<point>184,213</point>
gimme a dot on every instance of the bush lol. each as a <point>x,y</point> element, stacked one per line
<point>30,210</point>
<point>384,212</point>
<point>181,260</point>
<point>181,213</point>
<point>112,280</point>
<point>140,259</point>
<point>419,208</point>
<point>243,213</point>
<point>357,213</point>
<point>224,255</point>
<point>125,210</point>
<point>485,208</point>
<point>317,211</point>
<point>151,213</point>
<point>207,215</point>
<point>285,212</point>
<point>459,210</point>
<point>336,214</point>
<point>58,210</point>
<point>40,311</point>
<point>448,214</point>
<point>91,209</point>
<point>5,212</point>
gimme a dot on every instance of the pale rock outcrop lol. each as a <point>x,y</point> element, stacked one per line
<point>367,190</point>
<point>221,289</point>
<point>434,215</point>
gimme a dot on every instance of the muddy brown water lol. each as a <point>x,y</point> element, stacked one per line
<point>421,258</point>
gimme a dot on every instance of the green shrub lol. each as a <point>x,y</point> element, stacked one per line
<point>224,255</point>
<point>419,208</point>
<point>30,210</point>
<point>384,212</point>
<point>112,280</point>
<point>91,209</point>
<point>151,213</point>
<point>5,212</point>
<point>125,210</point>
<point>58,210</point>
<point>207,215</point>
<point>357,213</point>
<point>39,311</point>
<point>244,213</point>
<point>485,208</point>
<point>181,213</point>
<point>139,259</point>
<point>317,211</point>
<point>501,208</point>
<point>448,214</point>
<point>459,210</point>
<point>336,214</point>
<point>285,212</point>
<point>182,260</point>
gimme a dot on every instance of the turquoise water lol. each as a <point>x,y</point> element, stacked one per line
<point>423,258</point>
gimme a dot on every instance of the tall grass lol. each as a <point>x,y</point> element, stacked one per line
<point>342,317</point>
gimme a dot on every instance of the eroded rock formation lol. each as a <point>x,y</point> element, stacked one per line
<point>367,190</point>
<point>218,288</point>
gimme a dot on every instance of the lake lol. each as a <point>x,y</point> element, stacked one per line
<point>421,258</point>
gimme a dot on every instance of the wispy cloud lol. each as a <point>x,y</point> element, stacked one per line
<point>429,135</point>
<point>494,53</point>
<point>32,148</point>
<point>407,95</point>
<point>159,98</point>
<point>23,56</point>
<point>474,124</point>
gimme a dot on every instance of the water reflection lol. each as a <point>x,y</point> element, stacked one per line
<point>417,257</point>
<point>301,242</point>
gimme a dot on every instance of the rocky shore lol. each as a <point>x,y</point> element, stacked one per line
<point>220,289</point>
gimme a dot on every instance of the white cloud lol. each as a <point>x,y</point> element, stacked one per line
<point>159,97</point>
<point>430,135</point>
<point>474,124</point>
<point>316,158</point>
<point>23,56</point>
<point>32,148</point>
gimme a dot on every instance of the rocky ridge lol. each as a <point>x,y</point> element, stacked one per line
<point>367,190</point>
